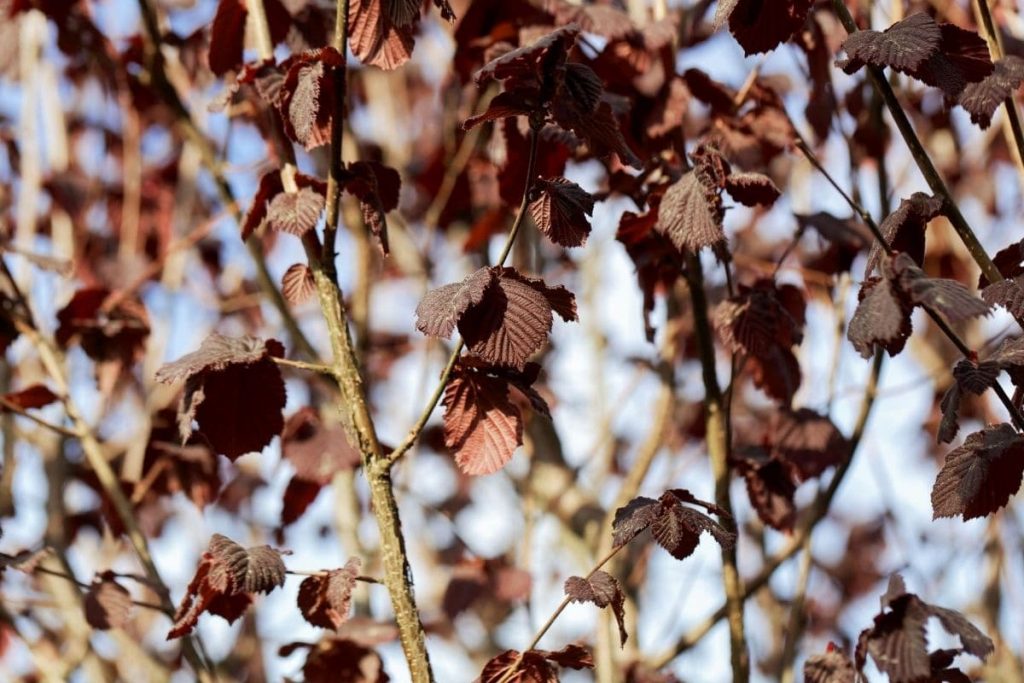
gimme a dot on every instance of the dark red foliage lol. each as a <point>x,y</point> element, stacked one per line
<point>897,641</point>
<point>324,599</point>
<point>761,25</point>
<point>603,590</point>
<point>534,666</point>
<point>109,327</point>
<point>503,316</point>
<point>980,476</point>
<point>483,425</point>
<point>764,322</point>
<point>233,391</point>
<point>675,526</point>
<point>107,603</point>
<point>225,581</point>
<point>35,396</point>
<point>339,660</point>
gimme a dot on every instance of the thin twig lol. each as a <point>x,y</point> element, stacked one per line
<point>995,47</point>
<point>717,439</point>
<point>923,160</point>
<point>510,673</point>
<point>815,512</point>
<point>317,368</point>
<point>13,407</point>
<point>940,322</point>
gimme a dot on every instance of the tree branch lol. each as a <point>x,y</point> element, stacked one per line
<point>718,450</point>
<point>920,155</point>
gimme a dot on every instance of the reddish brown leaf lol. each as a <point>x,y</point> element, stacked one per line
<point>375,39</point>
<point>227,38</point>
<point>107,603</point>
<point>105,333</point>
<point>981,475</point>
<point>339,660</point>
<point>690,214</point>
<point>561,211</point>
<point>442,308</point>
<point>975,378</point>
<point>764,322</point>
<point>882,318</point>
<point>377,187</point>
<point>904,228</point>
<point>761,25</point>
<point>534,666</point>
<point>298,496</point>
<point>897,640</point>
<point>770,487</point>
<point>982,98</point>
<point>306,100</point>
<point>503,316</point>
<point>223,584</point>
<point>295,212</point>
<point>481,424</point>
<point>1008,293</point>
<point>519,102</point>
<point>316,451</point>
<point>298,284</point>
<point>949,425</point>
<point>603,590</point>
<point>832,667</point>
<point>526,62</point>
<point>598,129</point>
<point>269,187</point>
<point>806,442</point>
<point>948,297</point>
<point>324,599</point>
<point>35,396</point>
<point>752,189</point>
<point>234,391</point>
<point>675,527</point>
